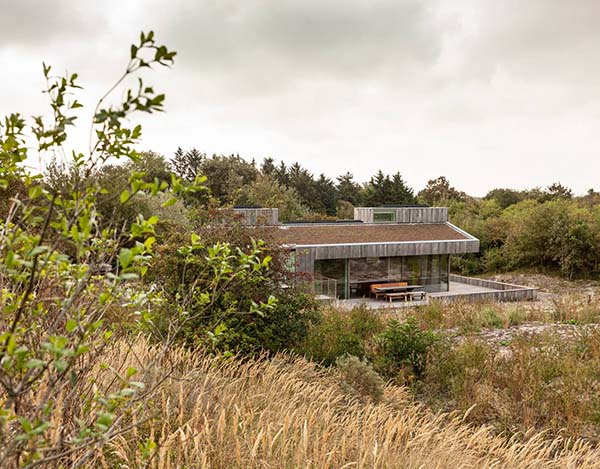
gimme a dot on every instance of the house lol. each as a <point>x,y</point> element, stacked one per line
<point>412,244</point>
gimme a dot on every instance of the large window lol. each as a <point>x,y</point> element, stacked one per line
<point>384,216</point>
<point>429,271</point>
<point>354,276</point>
<point>334,269</point>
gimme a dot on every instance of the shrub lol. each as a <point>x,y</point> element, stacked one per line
<point>341,333</point>
<point>432,315</point>
<point>545,382</point>
<point>55,303</point>
<point>403,346</point>
<point>359,378</point>
<point>453,369</point>
<point>284,326</point>
<point>490,317</point>
<point>260,279</point>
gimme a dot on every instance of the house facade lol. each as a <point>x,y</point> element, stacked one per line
<point>381,244</point>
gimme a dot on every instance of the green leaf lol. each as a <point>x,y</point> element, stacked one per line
<point>71,325</point>
<point>35,192</point>
<point>124,197</point>
<point>36,251</point>
<point>170,202</point>
<point>125,257</point>
<point>60,365</point>
<point>35,363</point>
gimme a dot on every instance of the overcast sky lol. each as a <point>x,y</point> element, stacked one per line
<point>487,93</point>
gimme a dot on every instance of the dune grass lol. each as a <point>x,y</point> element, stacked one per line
<point>286,412</point>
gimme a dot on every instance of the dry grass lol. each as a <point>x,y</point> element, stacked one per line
<point>547,381</point>
<point>475,316</point>
<point>285,412</point>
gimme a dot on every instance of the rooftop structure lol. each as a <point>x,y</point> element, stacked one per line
<point>381,245</point>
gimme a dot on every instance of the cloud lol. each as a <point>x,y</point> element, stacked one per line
<point>487,93</point>
<point>266,46</point>
<point>31,23</point>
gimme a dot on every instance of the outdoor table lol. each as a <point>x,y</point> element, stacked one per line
<point>406,288</point>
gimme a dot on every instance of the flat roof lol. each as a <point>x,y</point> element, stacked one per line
<point>307,235</point>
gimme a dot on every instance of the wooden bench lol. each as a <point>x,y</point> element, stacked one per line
<point>374,286</point>
<point>409,295</point>
<point>421,294</point>
<point>397,296</point>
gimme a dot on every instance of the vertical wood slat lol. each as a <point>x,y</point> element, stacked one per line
<point>258,216</point>
<point>405,214</point>
<point>349,251</point>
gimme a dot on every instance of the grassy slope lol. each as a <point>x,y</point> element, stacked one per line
<point>284,412</point>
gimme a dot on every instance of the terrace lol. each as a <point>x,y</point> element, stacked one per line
<point>460,289</point>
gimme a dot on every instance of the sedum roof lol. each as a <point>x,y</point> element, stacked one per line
<point>307,235</point>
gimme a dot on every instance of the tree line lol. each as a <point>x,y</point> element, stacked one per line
<point>541,228</point>
<point>547,229</point>
<point>297,192</point>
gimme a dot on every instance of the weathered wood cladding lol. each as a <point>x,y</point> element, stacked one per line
<point>479,282</point>
<point>405,214</point>
<point>306,255</point>
<point>525,294</point>
<point>363,213</point>
<point>305,260</point>
<point>504,291</point>
<point>258,216</point>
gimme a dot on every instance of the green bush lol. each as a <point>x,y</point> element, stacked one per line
<point>341,333</point>
<point>282,327</point>
<point>65,272</point>
<point>228,321</point>
<point>403,347</point>
<point>359,379</point>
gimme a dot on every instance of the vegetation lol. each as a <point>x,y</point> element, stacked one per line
<point>516,383</point>
<point>287,412</point>
<point>542,382</point>
<point>75,248</point>
<point>550,230</point>
<point>136,330</point>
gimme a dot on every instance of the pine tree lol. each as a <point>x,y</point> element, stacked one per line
<point>188,165</point>
<point>327,194</point>
<point>400,193</point>
<point>348,190</point>
<point>376,188</point>
<point>268,166</point>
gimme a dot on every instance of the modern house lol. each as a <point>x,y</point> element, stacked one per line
<point>410,244</point>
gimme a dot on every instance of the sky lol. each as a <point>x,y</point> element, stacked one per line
<point>487,93</point>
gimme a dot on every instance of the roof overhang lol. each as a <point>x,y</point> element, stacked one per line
<point>467,244</point>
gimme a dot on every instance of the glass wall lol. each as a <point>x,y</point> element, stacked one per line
<point>335,269</point>
<point>354,276</point>
<point>429,271</point>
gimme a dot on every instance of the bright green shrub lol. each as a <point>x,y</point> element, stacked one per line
<point>227,321</point>
<point>402,346</point>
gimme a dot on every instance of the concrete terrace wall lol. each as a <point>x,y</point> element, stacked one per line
<point>405,214</point>
<point>504,291</point>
